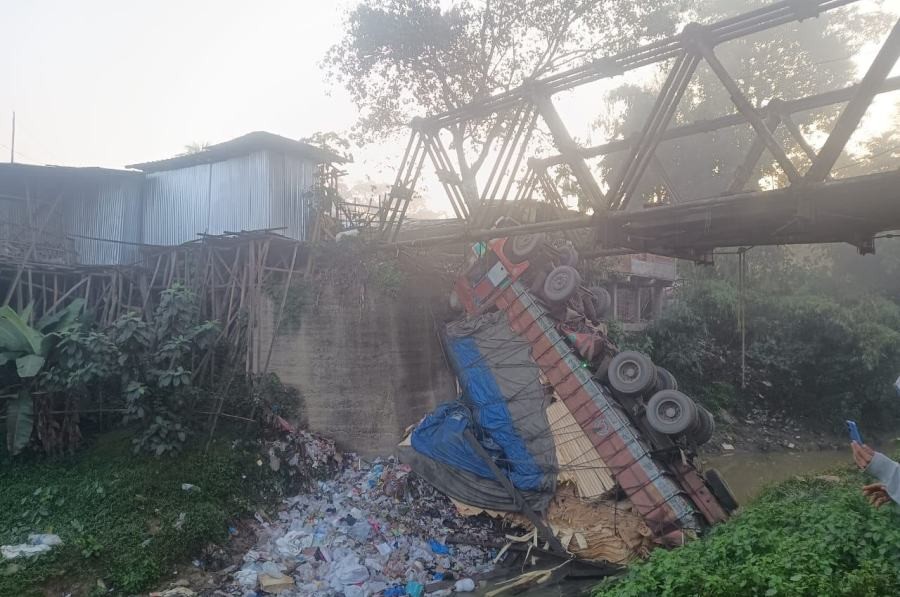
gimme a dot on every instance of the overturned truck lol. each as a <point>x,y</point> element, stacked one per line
<point>595,448</point>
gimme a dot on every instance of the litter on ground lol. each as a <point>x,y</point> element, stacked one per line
<point>372,529</point>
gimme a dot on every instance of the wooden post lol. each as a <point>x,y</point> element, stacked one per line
<point>277,321</point>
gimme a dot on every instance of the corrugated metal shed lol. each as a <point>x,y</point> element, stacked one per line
<point>254,182</point>
<point>110,211</point>
<point>96,202</point>
<point>264,189</point>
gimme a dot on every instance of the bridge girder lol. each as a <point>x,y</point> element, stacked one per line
<point>770,217</point>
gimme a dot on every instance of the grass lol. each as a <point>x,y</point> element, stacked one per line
<point>123,518</point>
<point>803,537</point>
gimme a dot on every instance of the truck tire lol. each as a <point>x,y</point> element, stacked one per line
<point>706,426</point>
<point>665,380</point>
<point>537,284</point>
<point>588,311</point>
<point>561,283</point>
<point>601,373</point>
<point>524,246</point>
<point>671,412</point>
<point>631,373</point>
<point>602,300</point>
<point>721,490</point>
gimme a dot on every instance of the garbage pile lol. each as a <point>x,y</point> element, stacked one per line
<point>373,529</point>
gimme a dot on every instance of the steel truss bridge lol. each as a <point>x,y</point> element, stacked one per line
<point>812,207</point>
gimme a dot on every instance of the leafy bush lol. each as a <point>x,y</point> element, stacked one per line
<point>155,367</point>
<point>811,350</point>
<point>804,537</point>
<point>148,365</point>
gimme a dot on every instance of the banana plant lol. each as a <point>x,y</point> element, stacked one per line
<point>28,347</point>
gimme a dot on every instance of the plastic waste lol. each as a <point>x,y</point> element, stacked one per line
<point>465,585</point>
<point>36,545</point>
<point>45,539</point>
<point>438,547</point>
<point>415,589</point>
<point>349,535</point>
<point>361,531</point>
<point>349,571</point>
<point>247,578</point>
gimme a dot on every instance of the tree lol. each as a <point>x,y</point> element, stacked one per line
<point>404,58</point>
<point>195,147</point>
<point>332,141</point>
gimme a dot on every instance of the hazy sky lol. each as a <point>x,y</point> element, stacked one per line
<point>113,82</point>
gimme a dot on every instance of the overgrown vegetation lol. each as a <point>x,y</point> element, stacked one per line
<point>124,518</point>
<point>821,343</point>
<point>145,366</point>
<point>804,537</point>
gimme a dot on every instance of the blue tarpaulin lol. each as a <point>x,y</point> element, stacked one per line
<point>440,434</point>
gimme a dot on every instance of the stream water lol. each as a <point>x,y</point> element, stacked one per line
<point>747,473</point>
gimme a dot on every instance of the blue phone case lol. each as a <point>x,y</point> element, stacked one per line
<point>854,432</point>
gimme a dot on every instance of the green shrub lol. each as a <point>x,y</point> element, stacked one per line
<point>810,350</point>
<point>803,537</point>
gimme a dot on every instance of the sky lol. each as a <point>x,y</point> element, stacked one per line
<point>115,82</point>
<point>102,82</point>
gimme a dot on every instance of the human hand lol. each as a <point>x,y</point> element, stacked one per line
<point>862,454</point>
<point>877,494</point>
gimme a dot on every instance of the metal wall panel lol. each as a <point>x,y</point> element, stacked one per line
<point>264,189</point>
<point>176,205</point>
<point>292,181</point>
<point>111,210</point>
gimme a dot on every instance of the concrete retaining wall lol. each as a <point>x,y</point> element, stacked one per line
<point>368,363</point>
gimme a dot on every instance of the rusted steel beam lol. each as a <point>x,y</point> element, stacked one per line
<point>746,108</point>
<point>856,108</point>
<point>715,124</point>
<point>487,234</point>
<point>569,149</point>
<point>776,14</point>
<point>663,111</point>
<point>751,218</point>
<point>747,167</point>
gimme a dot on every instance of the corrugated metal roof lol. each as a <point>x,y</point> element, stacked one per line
<point>15,178</point>
<point>244,145</point>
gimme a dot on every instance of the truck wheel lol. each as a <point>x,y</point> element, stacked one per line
<point>587,303</point>
<point>568,256</point>
<point>537,284</point>
<point>665,380</point>
<point>561,284</point>
<point>721,490</point>
<point>520,248</point>
<point>601,373</point>
<point>706,425</point>
<point>602,300</point>
<point>671,412</point>
<point>631,373</point>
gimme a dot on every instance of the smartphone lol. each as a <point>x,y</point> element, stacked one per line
<point>854,432</point>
